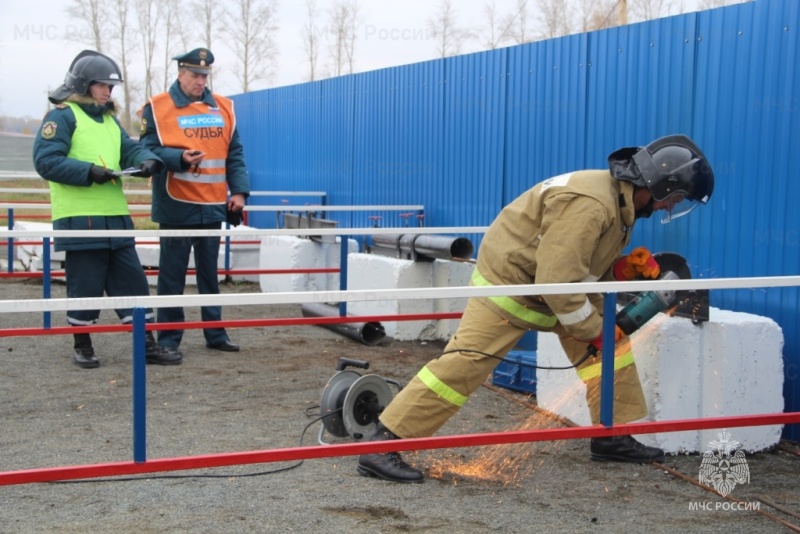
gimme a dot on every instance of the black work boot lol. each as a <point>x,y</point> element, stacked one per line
<point>155,353</point>
<point>624,449</point>
<point>83,356</point>
<point>387,466</point>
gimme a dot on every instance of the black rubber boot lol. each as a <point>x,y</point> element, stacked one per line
<point>388,466</point>
<point>624,449</point>
<point>155,353</point>
<point>83,355</point>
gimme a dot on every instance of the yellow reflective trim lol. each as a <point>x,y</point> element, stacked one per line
<point>440,388</point>
<point>515,308</point>
<point>593,371</point>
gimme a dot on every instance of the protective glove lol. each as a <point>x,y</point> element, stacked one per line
<point>234,218</point>
<point>99,175</point>
<point>597,343</point>
<point>147,168</point>
<point>638,262</point>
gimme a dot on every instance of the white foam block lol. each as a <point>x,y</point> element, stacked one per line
<point>730,365</point>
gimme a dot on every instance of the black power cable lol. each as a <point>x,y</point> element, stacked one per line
<point>244,475</point>
<point>591,351</point>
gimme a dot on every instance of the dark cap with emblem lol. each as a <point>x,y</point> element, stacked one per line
<point>198,60</point>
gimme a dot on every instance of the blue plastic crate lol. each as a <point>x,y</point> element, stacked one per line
<point>510,374</point>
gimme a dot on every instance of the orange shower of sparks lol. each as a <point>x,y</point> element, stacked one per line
<point>505,465</point>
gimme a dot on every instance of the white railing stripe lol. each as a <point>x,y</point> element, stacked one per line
<point>248,231</point>
<point>63,304</point>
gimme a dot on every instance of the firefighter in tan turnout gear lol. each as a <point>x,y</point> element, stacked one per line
<point>569,228</point>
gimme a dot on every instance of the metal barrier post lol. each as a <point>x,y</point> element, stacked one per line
<point>139,388</point>
<point>227,253</point>
<point>343,272</point>
<point>607,377</point>
<point>10,241</point>
<point>46,279</point>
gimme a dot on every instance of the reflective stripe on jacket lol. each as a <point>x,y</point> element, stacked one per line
<point>187,127</point>
<point>514,308</point>
<point>567,229</point>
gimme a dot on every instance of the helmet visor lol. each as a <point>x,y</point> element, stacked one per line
<point>681,207</point>
<point>108,81</point>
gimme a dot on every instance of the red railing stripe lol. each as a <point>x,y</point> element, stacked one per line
<point>236,323</point>
<point>350,449</point>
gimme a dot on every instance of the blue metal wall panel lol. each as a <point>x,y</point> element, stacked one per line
<point>546,112</point>
<point>298,138</point>
<point>747,82</point>
<point>471,184</point>
<point>465,135</point>
<point>397,139</point>
<point>640,85</point>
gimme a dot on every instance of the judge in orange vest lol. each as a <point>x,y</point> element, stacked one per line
<point>194,132</point>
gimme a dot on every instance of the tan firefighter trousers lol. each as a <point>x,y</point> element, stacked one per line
<point>441,387</point>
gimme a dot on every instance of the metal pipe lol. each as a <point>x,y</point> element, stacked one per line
<point>422,247</point>
<point>370,333</point>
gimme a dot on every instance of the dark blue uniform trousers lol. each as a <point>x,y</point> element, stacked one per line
<point>172,267</point>
<point>115,272</point>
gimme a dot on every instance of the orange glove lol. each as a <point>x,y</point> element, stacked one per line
<point>638,262</point>
<point>597,343</point>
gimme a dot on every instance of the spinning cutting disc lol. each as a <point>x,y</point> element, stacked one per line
<point>667,261</point>
<point>333,398</point>
<point>363,403</point>
<point>670,261</point>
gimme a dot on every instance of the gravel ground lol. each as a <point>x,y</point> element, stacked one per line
<point>55,414</point>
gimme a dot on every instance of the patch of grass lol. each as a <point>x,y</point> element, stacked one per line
<point>141,219</point>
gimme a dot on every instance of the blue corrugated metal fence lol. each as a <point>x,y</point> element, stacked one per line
<point>465,135</point>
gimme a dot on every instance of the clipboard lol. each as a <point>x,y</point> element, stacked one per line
<point>127,172</point>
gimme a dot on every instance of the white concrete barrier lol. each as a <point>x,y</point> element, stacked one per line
<point>364,272</point>
<point>288,252</point>
<point>731,365</point>
<point>243,256</point>
<point>30,256</point>
<point>369,271</point>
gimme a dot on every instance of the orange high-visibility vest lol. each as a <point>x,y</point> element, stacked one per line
<point>194,126</point>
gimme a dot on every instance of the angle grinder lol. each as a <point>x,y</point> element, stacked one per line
<point>646,305</point>
<point>642,307</point>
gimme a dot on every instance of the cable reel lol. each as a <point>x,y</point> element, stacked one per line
<point>351,402</point>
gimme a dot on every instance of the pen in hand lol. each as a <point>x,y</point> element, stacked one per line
<point>113,181</point>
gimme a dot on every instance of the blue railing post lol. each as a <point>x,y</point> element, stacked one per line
<point>46,279</point>
<point>607,377</point>
<point>227,252</point>
<point>139,388</point>
<point>10,241</point>
<point>343,272</point>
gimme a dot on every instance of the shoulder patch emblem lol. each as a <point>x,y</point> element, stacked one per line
<point>49,130</point>
<point>143,127</point>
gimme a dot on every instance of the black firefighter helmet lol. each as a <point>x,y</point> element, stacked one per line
<point>669,166</point>
<point>87,67</point>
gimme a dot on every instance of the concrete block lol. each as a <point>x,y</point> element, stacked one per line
<point>450,274</point>
<point>242,256</point>
<point>30,255</point>
<point>289,252</point>
<point>369,271</point>
<point>731,365</point>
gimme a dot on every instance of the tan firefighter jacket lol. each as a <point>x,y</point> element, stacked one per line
<point>569,228</point>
